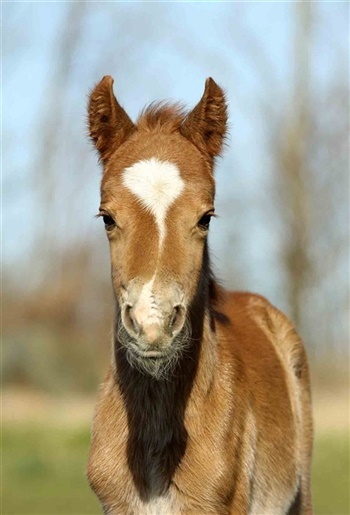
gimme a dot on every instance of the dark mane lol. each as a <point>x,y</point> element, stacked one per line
<point>164,115</point>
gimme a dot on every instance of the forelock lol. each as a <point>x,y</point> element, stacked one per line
<point>163,116</point>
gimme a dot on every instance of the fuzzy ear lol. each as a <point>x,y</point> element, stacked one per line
<point>206,125</point>
<point>109,125</point>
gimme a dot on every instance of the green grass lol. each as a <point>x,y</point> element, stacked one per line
<point>44,473</point>
<point>330,475</point>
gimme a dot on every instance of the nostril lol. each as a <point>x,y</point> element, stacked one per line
<point>129,321</point>
<point>177,319</point>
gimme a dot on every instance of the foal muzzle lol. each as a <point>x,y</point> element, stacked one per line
<point>153,328</point>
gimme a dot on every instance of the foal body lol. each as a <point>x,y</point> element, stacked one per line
<point>206,406</point>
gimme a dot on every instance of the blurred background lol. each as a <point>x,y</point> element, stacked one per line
<point>282,197</point>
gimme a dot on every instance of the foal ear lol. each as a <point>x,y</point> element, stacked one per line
<point>109,125</point>
<point>206,125</point>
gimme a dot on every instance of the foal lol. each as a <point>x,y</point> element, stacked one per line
<point>206,406</point>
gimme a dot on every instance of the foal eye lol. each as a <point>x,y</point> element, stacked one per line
<point>205,221</point>
<point>109,222</point>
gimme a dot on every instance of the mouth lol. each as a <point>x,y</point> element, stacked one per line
<point>145,352</point>
<point>151,354</point>
<point>154,363</point>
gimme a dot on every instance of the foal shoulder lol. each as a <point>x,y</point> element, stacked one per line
<point>243,308</point>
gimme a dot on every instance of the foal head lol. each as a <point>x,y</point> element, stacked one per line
<point>157,198</point>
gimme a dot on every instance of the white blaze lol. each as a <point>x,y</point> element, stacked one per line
<point>147,310</point>
<point>157,184</point>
